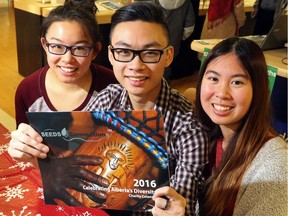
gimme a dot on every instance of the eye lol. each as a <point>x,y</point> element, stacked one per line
<point>212,78</point>
<point>80,48</point>
<point>237,82</point>
<point>123,52</point>
<point>57,46</point>
<point>151,53</point>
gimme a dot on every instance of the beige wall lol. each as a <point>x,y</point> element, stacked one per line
<point>4,2</point>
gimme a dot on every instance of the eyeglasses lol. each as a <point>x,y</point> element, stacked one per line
<point>60,49</point>
<point>146,56</point>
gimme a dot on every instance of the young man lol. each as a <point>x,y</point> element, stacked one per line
<point>139,52</point>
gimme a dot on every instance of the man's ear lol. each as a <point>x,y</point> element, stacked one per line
<point>169,56</point>
<point>96,50</point>
<point>110,55</point>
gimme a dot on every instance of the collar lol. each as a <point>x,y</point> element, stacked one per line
<point>161,103</point>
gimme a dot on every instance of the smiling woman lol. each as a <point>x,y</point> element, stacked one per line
<point>247,168</point>
<point>226,91</point>
<point>71,39</point>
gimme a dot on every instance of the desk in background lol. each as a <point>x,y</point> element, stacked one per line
<point>274,58</point>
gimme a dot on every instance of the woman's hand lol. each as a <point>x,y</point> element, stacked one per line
<point>168,202</point>
<point>26,144</point>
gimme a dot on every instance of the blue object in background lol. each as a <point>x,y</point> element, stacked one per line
<point>279,106</point>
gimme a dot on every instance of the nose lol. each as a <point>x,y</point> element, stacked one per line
<point>223,91</point>
<point>136,63</point>
<point>67,56</point>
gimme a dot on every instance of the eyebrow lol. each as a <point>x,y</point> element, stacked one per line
<point>146,46</point>
<point>62,42</point>
<point>244,75</point>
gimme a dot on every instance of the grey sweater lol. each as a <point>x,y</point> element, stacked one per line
<point>263,190</point>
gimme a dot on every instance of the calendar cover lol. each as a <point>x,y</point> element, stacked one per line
<point>131,156</point>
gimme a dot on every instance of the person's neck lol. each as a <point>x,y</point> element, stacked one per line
<point>145,101</point>
<point>67,96</point>
<point>227,136</point>
<point>82,83</point>
<point>141,104</point>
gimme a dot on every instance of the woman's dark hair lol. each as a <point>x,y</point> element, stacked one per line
<point>140,11</point>
<point>81,11</point>
<point>252,133</point>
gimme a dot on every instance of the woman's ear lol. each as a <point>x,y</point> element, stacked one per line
<point>43,43</point>
<point>96,50</point>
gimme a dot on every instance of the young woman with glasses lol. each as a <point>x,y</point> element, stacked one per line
<point>71,40</point>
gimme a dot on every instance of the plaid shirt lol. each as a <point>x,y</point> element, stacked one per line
<point>186,139</point>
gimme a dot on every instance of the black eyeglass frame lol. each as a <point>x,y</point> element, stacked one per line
<point>138,52</point>
<point>67,48</point>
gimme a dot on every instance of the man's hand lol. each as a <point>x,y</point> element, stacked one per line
<point>69,173</point>
<point>168,202</point>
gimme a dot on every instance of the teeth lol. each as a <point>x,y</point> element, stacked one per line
<point>137,79</point>
<point>68,69</point>
<point>221,108</point>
